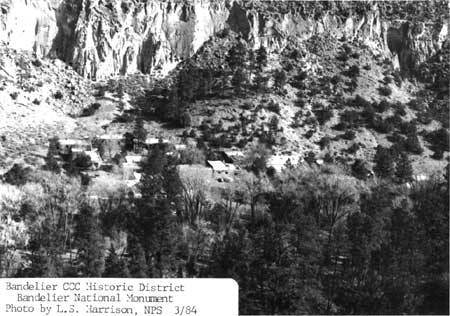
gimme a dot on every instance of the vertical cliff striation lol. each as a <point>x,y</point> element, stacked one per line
<point>123,37</point>
<point>100,38</point>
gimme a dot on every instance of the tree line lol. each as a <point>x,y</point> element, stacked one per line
<point>303,241</point>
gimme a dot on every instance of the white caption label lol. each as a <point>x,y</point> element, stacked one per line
<point>115,297</point>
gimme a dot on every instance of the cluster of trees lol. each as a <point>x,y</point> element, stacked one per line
<point>302,241</point>
<point>243,70</point>
<point>244,65</point>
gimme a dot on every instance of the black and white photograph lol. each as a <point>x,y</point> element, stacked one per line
<point>299,148</point>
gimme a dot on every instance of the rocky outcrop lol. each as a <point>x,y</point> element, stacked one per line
<point>100,38</point>
<point>127,37</point>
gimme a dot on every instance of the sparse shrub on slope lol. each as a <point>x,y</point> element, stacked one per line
<point>349,135</point>
<point>323,115</point>
<point>279,78</point>
<point>382,125</point>
<point>274,107</point>
<point>360,169</point>
<point>359,102</point>
<point>412,144</point>
<point>324,142</point>
<point>349,119</point>
<point>36,63</point>
<point>384,162</point>
<point>17,175</point>
<point>439,140</point>
<point>353,149</point>
<point>90,110</point>
<point>382,106</point>
<point>14,95</point>
<point>58,95</point>
<point>352,72</point>
<point>385,91</point>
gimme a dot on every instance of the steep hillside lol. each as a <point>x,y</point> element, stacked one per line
<point>341,78</point>
<point>38,99</point>
<point>338,101</point>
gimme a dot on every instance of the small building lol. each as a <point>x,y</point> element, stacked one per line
<point>131,166</point>
<point>111,137</point>
<point>111,145</point>
<point>180,147</point>
<point>68,145</point>
<point>130,159</point>
<point>233,156</point>
<point>219,167</point>
<point>151,141</point>
<point>421,177</point>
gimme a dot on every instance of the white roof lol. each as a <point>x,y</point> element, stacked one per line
<point>131,166</point>
<point>234,153</point>
<point>72,142</point>
<point>111,136</point>
<point>180,146</point>
<point>153,140</point>
<point>217,165</point>
<point>133,158</point>
<point>93,154</point>
<point>421,177</point>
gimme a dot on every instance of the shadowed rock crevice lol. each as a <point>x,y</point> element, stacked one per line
<point>147,54</point>
<point>67,14</point>
<point>238,21</point>
<point>399,43</point>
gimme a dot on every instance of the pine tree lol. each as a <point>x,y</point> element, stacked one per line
<point>115,267</point>
<point>139,132</point>
<point>261,57</point>
<point>260,82</point>
<point>384,162</point>
<point>171,111</point>
<point>153,218</point>
<point>89,242</point>
<point>51,163</point>
<point>279,78</point>
<point>403,169</point>
<point>206,81</point>
<point>239,80</point>
<point>237,55</point>
<point>359,169</point>
<point>120,91</point>
<point>187,84</point>
<point>138,266</point>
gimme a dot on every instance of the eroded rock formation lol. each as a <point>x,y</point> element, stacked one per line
<point>100,38</point>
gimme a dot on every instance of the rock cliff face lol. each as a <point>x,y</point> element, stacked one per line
<point>100,38</point>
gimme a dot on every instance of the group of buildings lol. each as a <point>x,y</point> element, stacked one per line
<point>106,150</point>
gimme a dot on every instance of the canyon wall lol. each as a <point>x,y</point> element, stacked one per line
<point>100,38</point>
